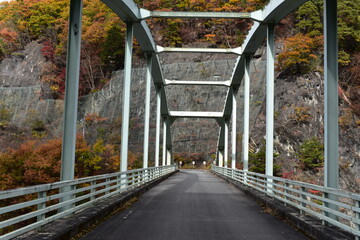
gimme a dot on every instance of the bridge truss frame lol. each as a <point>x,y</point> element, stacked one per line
<point>263,27</point>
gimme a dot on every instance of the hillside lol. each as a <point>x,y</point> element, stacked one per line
<point>31,100</point>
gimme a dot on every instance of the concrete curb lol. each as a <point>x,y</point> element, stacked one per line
<point>68,227</point>
<point>310,226</point>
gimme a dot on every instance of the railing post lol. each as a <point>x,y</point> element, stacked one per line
<point>331,105</point>
<point>303,196</point>
<point>93,190</point>
<point>158,125</point>
<point>41,205</point>
<point>233,130</point>
<point>270,105</point>
<point>286,192</point>
<point>107,186</point>
<point>357,216</point>
<point>71,96</point>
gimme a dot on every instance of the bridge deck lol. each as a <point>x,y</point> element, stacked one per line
<point>194,204</point>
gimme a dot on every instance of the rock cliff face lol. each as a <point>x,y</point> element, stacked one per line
<point>23,69</point>
<point>299,111</point>
<point>298,106</point>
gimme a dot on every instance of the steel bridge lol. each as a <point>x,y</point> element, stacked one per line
<point>332,206</point>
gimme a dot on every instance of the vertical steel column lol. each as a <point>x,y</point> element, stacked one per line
<point>270,104</point>
<point>71,91</point>
<point>147,111</point>
<point>158,122</point>
<point>126,97</point>
<point>164,141</point>
<point>226,142</point>
<point>233,131</point>
<point>71,97</point>
<point>246,114</point>
<point>331,127</point>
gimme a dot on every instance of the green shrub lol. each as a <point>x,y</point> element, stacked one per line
<point>5,116</point>
<point>257,162</point>
<point>311,154</point>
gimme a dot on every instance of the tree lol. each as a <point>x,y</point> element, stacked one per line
<point>349,25</point>
<point>309,16</point>
<point>299,55</point>
<point>38,162</point>
<point>257,162</point>
<point>8,40</point>
<point>311,154</point>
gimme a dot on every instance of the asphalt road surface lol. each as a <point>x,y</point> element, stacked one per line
<point>194,204</point>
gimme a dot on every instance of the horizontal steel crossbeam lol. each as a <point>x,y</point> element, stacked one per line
<point>238,50</point>
<point>190,114</point>
<point>256,15</point>
<point>201,83</point>
<point>174,14</point>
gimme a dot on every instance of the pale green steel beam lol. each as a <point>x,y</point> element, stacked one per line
<point>194,114</point>
<point>198,83</point>
<point>246,122</point>
<point>71,91</point>
<point>226,142</point>
<point>71,97</point>
<point>158,126</point>
<point>147,110</point>
<point>255,16</point>
<point>331,103</point>
<point>233,131</point>
<point>177,14</point>
<point>126,97</point>
<point>238,51</point>
<point>164,154</point>
<point>270,82</point>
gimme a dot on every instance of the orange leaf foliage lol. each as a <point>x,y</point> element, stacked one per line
<point>299,53</point>
<point>36,162</point>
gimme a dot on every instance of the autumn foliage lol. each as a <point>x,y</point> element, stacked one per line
<point>299,54</point>
<point>36,162</point>
<point>46,21</point>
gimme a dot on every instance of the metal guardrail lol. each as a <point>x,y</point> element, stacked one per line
<point>26,209</point>
<point>308,198</point>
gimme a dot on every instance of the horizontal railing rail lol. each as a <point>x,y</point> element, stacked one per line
<point>308,198</point>
<point>26,209</point>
